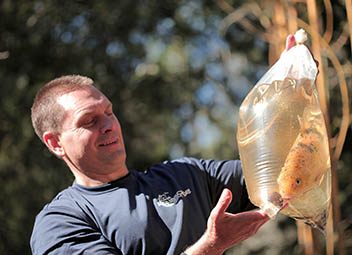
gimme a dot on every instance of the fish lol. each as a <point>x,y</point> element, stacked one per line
<point>307,160</point>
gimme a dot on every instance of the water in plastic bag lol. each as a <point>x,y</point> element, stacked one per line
<point>283,143</point>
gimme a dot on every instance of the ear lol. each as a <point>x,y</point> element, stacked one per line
<point>52,141</point>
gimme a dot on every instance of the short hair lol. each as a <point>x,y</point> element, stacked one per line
<point>46,113</point>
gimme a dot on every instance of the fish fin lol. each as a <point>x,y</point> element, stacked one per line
<point>301,123</point>
<point>321,179</point>
<point>305,120</point>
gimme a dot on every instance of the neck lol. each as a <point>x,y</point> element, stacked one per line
<point>93,180</point>
<point>94,177</point>
<point>88,181</point>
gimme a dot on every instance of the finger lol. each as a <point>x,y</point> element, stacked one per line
<point>224,201</point>
<point>259,220</point>
<point>290,42</point>
<point>259,225</point>
<point>260,216</point>
<point>264,219</point>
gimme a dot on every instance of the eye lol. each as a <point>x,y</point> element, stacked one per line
<point>110,113</point>
<point>298,181</point>
<point>89,122</point>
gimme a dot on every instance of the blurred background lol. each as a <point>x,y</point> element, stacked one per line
<point>176,72</point>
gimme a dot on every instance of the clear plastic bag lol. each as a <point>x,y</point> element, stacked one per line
<point>283,143</point>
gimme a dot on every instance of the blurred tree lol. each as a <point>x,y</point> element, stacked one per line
<point>150,57</point>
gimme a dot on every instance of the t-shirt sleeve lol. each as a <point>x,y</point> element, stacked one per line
<point>64,230</point>
<point>222,174</point>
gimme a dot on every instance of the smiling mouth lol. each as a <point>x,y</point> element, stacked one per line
<point>108,143</point>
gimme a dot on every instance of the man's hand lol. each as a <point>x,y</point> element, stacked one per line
<point>226,229</point>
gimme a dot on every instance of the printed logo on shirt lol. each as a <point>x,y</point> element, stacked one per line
<point>166,200</point>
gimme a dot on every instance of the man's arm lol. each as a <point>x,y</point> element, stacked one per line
<point>63,230</point>
<point>225,229</point>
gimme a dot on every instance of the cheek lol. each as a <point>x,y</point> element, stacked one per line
<point>80,143</point>
<point>87,140</point>
<point>116,123</point>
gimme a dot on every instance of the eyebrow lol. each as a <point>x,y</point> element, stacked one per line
<point>89,111</point>
<point>82,116</point>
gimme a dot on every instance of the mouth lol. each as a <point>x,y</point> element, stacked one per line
<point>287,200</point>
<point>276,199</point>
<point>284,205</point>
<point>285,196</point>
<point>108,143</point>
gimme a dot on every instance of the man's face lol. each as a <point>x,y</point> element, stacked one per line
<point>91,134</point>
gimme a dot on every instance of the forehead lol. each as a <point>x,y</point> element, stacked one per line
<point>82,99</point>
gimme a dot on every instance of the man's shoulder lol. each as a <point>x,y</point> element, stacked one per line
<point>57,219</point>
<point>192,165</point>
<point>187,161</point>
<point>64,199</point>
<point>178,163</point>
<point>203,163</point>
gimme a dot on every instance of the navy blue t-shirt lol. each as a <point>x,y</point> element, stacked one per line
<point>159,211</point>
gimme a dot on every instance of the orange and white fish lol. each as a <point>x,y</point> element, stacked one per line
<point>307,160</point>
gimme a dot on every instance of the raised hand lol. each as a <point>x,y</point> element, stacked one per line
<point>226,229</point>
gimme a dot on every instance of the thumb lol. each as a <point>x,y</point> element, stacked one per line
<point>224,201</point>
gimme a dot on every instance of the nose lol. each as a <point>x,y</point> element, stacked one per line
<point>106,125</point>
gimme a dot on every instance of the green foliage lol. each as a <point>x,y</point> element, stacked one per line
<point>138,53</point>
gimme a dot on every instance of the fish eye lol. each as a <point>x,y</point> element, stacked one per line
<point>298,181</point>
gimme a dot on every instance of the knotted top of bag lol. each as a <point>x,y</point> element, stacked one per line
<point>295,63</point>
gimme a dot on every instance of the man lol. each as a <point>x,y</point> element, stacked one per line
<point>111,210</point>
<point>181,206</point>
